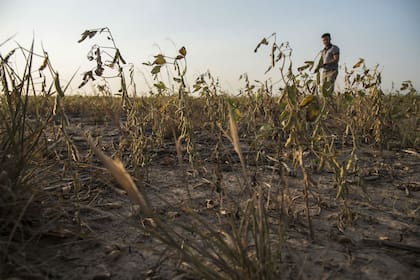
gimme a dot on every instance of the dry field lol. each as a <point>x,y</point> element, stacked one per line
<point>296,182</point>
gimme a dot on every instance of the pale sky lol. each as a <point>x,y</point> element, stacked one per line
<point>220,35</point>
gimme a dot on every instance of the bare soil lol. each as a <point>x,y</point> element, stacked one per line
<point>96,232</point>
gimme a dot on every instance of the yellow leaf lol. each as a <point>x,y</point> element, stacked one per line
<point>288,141</point>
<point>307,100</point>
<point>359,63</point>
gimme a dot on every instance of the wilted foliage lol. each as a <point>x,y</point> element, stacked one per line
<point>295,126</point>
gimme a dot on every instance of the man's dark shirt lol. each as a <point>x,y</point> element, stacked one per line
<point>328,55</point>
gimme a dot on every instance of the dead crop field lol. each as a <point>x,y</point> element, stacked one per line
<point>190,182</point>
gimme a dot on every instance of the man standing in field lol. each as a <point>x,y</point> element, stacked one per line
<point>330,57</point>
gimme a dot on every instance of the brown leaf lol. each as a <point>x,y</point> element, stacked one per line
<point>183,51</point>
<point>44,64</point>
<point>159,60</point>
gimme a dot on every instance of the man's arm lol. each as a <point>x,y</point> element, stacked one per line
<point>336,58</point>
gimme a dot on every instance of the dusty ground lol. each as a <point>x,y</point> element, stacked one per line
<point>103,237</point>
